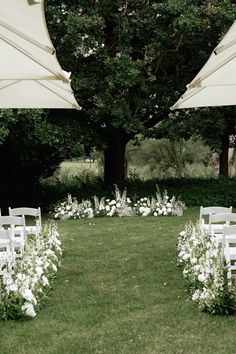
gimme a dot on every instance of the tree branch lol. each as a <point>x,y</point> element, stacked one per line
<point>176,49</point>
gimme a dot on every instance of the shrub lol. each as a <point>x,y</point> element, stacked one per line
<point>25,285</point>
<point>120,205</point>
<point>194,192</point>
<point>205,271</point>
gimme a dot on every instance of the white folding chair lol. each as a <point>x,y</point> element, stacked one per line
<point>6,249</point>
<point>19,236</point>
<point>205,213</point>
<point>34,213</point>
<point>229,246</point>
<point>217,223</point>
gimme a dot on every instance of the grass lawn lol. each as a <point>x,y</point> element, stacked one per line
<point>76,168</point>
<point>119,291</point>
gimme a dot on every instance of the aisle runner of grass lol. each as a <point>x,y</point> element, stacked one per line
<point>119,291</point>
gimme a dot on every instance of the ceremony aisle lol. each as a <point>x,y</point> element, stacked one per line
<point>119,291</point>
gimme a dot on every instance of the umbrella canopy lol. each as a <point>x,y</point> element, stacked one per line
<point>30,75</point>
<point>215,83</point>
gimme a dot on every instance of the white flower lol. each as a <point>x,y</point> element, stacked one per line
<point>28,295</point>
<point>20,276</point>
<point>7,279</point>
<point>193,260</point>
<point>39,271</point>
<point>186,256</point>
<point>118,205</point>
<point>13,287</point>
<point>196,295</point>
<point>112,202</point>
<point>182,233</point>
<point>107,208</point>
<point>45,281</point>
<point>155,213</point>
<point>147,211</point>
<point>197,267</point>
<point>90,213</point>
<point>28,308</point>
<point>201,277</point>
<point>49,253</point>
<point>54,267</point>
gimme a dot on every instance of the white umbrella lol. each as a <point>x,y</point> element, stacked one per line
<point>30,75</point>
<point>215,83</point>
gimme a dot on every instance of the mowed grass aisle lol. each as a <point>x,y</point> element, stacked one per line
<point>119,291</point>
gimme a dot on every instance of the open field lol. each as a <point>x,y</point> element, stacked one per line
<point>119,291</point>
<point>76,168</point>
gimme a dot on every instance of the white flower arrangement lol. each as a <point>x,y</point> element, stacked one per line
<point>205,271</point>
<point>24,286</point>
<point>121,205</point>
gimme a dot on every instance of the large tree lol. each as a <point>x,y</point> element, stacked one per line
<point>201,31</point>
<point>130,60</point>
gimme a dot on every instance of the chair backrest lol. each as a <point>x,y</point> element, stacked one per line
<point>5,235</point>
<point>25,211</point>
<point>230,230</point>
<point>213,210</point>
<point>216,222</point>
<point>229,234</point>
<point>6,250</point>
<point>222,217</point>
<point>229,241</point>
<point>12,221</point>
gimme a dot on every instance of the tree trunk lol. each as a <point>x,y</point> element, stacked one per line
<point>224,157</point>
<point>114,158</point>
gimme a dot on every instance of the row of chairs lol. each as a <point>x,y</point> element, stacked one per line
<point>14,231</point>
<point>221,222</point>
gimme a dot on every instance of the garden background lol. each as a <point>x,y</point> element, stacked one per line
<point>119,289</point>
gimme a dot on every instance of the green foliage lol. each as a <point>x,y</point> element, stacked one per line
<point>167,158</point>
<point>32,148</point>
<point>199,28</point>
<point>131,60</point>
<point>192,191</point>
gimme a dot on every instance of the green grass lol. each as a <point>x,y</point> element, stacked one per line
<point>119,291</point>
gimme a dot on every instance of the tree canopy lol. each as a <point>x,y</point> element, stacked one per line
<point>130,61</point>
